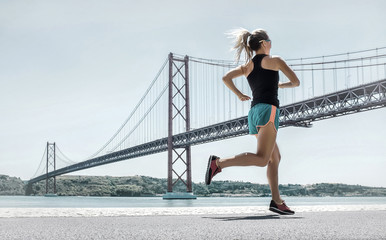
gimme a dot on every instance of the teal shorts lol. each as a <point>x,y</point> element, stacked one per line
<point>260,115</point>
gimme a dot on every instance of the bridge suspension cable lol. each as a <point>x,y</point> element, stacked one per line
<point>142,119</point>
<point>40,164</point>
<point>62,157</point>
<point>333,73</point>
<point>340,61</point>
<point>132,113</point>
<point>336,55</point>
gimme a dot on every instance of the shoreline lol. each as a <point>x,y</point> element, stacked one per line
<point>220,195</point>
<point>174,211</point>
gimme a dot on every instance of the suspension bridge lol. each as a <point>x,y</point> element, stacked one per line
<point>187,104</point>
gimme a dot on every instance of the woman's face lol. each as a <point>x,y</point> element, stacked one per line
<point>267,44</point>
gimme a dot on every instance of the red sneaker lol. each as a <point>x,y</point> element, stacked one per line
<point>212,169</point>
<point>280,209</point>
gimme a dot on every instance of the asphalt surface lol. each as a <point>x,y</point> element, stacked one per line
<point>307,225</point>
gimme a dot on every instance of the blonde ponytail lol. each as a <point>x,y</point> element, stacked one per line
<point>247,41</point>
<point>241,37</point>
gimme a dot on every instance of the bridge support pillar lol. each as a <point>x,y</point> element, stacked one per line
<point>179,158</point>
<point>51,166</point>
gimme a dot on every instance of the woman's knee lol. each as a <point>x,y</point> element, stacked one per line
<point>262,160</point>
<point>276,157</point>
<point>275,160</point>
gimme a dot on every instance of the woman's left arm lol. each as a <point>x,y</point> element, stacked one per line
<point>290,74</point>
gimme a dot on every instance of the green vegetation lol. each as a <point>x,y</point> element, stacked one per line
<point>11,185</point>
<point>137,186</point>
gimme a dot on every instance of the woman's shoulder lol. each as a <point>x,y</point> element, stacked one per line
<point>274,58</point>
<point>272,62</point>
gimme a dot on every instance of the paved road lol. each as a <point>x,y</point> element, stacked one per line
<point>307,225</point>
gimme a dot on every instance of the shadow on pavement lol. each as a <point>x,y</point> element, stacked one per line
<point>264,217</point>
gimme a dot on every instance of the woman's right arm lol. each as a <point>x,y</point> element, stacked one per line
<point>228,81</point>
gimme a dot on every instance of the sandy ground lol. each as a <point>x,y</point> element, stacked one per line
<point>200,223</point>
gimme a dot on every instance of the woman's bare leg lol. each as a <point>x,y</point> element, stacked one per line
<point>265,144</point>
<point>272,174</point>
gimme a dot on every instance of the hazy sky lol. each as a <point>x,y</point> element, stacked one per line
<point>72,71</point>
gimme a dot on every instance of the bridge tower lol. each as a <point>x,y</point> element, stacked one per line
<point>50,167</point>
<point>179,112</point>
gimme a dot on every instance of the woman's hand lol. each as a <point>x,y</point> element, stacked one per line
<point>243,97</point>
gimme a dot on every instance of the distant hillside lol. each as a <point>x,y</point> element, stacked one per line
<point>147,186</point>
<point>11,185</point>
<point>104,186</point>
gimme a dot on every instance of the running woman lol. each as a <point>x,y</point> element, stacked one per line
<point>262,73</point>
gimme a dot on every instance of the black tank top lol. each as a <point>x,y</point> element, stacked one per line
<point>263,83</point>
